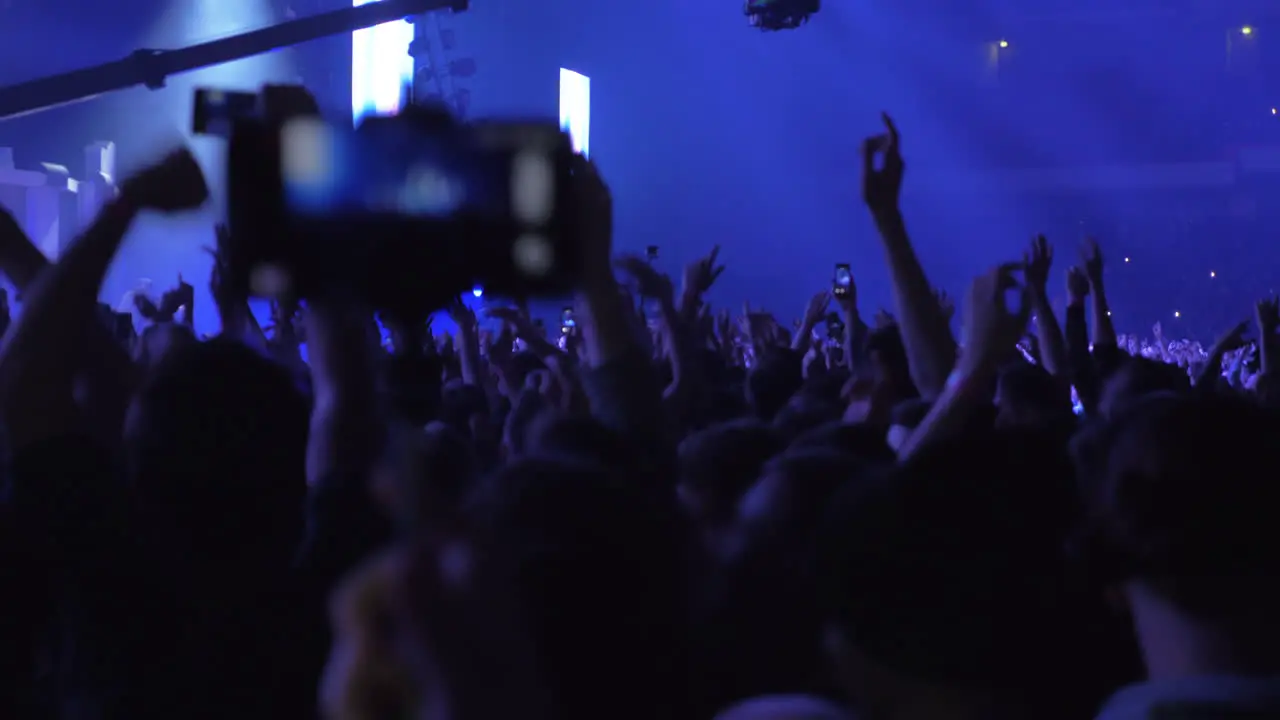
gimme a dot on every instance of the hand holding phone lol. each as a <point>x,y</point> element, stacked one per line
<point>842,282</point>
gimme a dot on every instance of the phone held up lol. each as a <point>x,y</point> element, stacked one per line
<point>403,212</point>
<point>567,323</point>
<point>842,281</point>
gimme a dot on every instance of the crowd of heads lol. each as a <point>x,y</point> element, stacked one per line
<point>996,507</point>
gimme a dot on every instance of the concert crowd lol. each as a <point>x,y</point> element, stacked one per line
<point>662,510</point>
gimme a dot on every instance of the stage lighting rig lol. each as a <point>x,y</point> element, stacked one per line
<point>769,15</point>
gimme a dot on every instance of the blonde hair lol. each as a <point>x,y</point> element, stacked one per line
<point>367,676</point>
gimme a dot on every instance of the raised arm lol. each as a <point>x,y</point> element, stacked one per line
<point>474,370</point>
<point>344,524</point>
<point>814,311</point>
<point>619,381</point>
<point>1053,348</point>
<point>1231,340</point>
<point>990,328</point>
<point>1162,344</point>
<point>926,335</point>
<point>231,300</point>
<point>1267,316</point>
<point>1104,333</point>
<point>855,331</point>
<point>45,346</point>
<point>699,276</point>
<point>676,334</point>
<point>1084,371</point>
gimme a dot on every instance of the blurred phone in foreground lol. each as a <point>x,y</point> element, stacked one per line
<point>405,211</point>
<point>842,282</point>
<point>567,323</point>
<point>215,112</point>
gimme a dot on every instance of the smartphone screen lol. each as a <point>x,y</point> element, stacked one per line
<point>842,281</point>
<point>567,322</point>
<point>388,169</point>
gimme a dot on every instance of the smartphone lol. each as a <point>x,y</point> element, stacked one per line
<point>480,192</point>
<point>842,282</point>
<point>651,253</point>
<point>567,323</point>
<point>214,112</point>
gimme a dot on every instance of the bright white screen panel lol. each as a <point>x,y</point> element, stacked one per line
<point>380,67</point>
<point>575,109</point>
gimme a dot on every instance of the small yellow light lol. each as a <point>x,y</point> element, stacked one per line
<point>1004,43</point>
<point>1246,30</point>
<point>1177,314</point>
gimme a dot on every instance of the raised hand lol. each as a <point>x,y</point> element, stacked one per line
<point>649,281</point>
<point>462,316</point>
<point>702,273</point>
<point>1036,263</point>
<point>175,298</point>
<point>816,309</point>
<point>185,291</point>
<point>174,184</point>
<point>882,169</point>
<point>1266,314</point>
<point>1091,261</point>
<point>223,285</point>
<point>1077,285</point>
<point>991,327</point>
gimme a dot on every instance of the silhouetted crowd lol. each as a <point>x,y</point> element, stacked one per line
<point>659,511</point>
